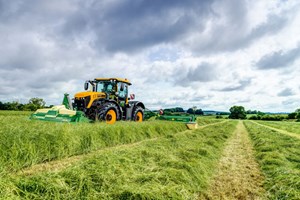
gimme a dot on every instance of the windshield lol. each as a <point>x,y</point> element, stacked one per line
<point>105,86</point>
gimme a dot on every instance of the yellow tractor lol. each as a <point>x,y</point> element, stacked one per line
<point>105,99</point>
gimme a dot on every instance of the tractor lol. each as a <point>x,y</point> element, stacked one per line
<point>105,99</point>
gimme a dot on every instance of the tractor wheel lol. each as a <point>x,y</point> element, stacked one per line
<point>138,114</point>
<point>108,113</point>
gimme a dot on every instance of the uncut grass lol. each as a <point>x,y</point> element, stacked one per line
<point>12,112</point>
<point>279,159</point>
<point>292,127</point>
<point>24,142</point>
<point>177,166</point>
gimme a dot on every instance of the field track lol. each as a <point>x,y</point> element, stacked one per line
<point>58,165</point>
<point>279,130</point>
<point>238,175</point>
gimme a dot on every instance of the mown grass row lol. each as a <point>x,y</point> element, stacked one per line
<point>207,120</point>
<point>178,166</point>
<point>279,158</point>
<point>287,126</point>
<point>24,142</point>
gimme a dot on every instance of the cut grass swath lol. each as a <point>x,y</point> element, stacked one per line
<point>24,143</point>
<point>177,166</point>
<point>279,158</point>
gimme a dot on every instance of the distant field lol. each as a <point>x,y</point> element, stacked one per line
<point>149,160</point>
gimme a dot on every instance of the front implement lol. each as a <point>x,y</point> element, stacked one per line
<point>59,114</point>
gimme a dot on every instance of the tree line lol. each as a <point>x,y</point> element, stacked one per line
<point>239,112</point>
<point>32,105</point>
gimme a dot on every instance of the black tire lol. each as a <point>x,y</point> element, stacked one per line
<point>136,116</point>
<point>104,110</point>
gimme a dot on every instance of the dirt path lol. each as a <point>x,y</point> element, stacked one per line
<point>278,130</point>
<point>58,165</point>
<point>238,175</point>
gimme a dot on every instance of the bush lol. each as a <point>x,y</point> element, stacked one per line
<point>272,117</point>
<point>253,117</point>
<point>292,115</point>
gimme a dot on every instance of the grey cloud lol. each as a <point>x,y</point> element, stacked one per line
<point>274,24</point>
<point>113,26</point>
<point>286,92</point>
<point>204,72</point>
<point>279,59</point>
<point>138,24</point>
<point>234,35</point>
<point>242,84</point>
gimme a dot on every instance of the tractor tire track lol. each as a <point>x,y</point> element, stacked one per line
<point>278,130</point>
<point>238,175</point>
<point>58,165</point>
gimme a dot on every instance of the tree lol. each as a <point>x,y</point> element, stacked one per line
<point>237,112</point>
<point>194,110</point>
<point>1,106</point>
<point>179,109</point>
<point>35,103</point>
<point>199,112</point>
<point>190,111</point>
<point>292,115</point>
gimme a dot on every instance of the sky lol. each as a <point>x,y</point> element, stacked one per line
<point>212,54</point>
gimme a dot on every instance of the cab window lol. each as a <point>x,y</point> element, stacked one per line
<point>122,93</point>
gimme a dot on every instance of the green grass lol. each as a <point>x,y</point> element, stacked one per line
<point>177,166</point>
<point>24,142</point>
<point>12,112</point>
<point>279,158</point>
<point>288,126</point>
<point>205,120</point>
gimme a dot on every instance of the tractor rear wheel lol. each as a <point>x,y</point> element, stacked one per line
<point>138,114</point>
<point>108,113</point>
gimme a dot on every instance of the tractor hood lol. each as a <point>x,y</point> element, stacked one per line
<point>93,95</point>
<point>88,97</point>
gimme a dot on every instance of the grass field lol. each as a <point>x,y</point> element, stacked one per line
<point>288,126</point>
<point>279,157</point>
<point>222,159</point>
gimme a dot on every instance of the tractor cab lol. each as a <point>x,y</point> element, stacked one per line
<point>115,89</point>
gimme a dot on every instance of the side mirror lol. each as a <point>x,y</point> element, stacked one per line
<point>132,96</point>
<point>86,85</point>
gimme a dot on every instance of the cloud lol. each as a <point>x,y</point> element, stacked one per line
<point>241,85</point>
<point>204,72</point>
<point>286,92</point>
<point>230,28</point>
<point>138,24</point>
<point>279,59</point>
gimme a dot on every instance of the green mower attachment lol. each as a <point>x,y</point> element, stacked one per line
<point>188,119</point>
<point>61,113</point>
